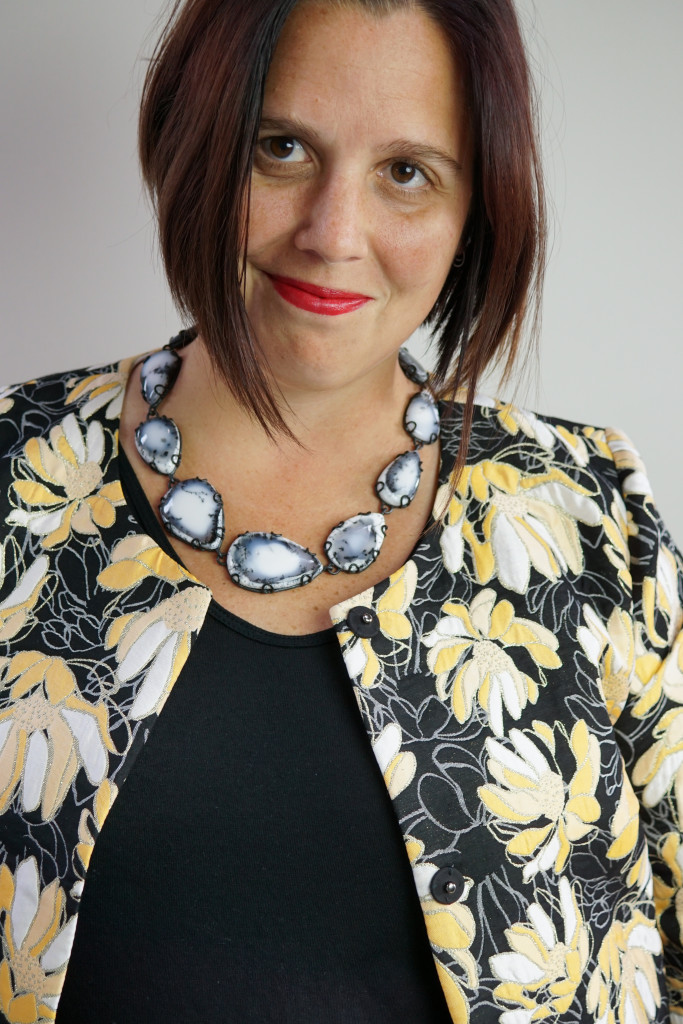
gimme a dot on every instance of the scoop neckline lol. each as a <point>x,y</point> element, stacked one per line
<point>141,510</point>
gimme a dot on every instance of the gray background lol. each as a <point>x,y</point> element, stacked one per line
<point>80,282</point>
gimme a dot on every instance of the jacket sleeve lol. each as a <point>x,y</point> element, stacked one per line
<point>650,726</point>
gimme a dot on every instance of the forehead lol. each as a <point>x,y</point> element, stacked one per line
<point>347,70</point>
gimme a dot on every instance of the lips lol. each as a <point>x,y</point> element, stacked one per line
<point>311,297</point>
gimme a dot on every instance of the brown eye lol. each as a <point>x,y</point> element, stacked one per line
<point>407,174</point>
<point>284,149</point>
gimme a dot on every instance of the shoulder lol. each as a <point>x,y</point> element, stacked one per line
<point>33,408</point>
<point>533,443</point>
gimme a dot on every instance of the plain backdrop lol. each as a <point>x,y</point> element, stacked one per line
<point>80,282</point>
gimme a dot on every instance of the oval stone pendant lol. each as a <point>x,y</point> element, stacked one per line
<point>158,443</point>
<point>193,512</point>
<point>158,375</point>
<point>355,544</point>
<point>413,370</point>
<point>397,484</point>
<point>422,418</point>
<point>268,562</point>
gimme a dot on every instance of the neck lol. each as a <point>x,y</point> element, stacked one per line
<point>322,419</point>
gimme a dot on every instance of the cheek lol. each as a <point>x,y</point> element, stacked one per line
<point>272,215</point>
<point>417,254</point>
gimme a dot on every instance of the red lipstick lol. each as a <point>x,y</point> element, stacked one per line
<point>315,299</point>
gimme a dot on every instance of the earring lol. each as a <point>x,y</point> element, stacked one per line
<point>459,260</point>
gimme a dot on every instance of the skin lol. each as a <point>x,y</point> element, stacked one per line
<point>361,183</point>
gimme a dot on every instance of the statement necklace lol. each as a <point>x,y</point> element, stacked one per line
<point>192,510</point>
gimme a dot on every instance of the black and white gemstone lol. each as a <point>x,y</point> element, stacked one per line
<point>158,375</point>
<point>422,418</point>
<point>397,484</point>
<point>413,370</point>
<point>193,512</point>
<point>158,443</point>
<point>268,562</point>
<point>355,544</point>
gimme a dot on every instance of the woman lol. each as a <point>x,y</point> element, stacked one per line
<point>512,643</point>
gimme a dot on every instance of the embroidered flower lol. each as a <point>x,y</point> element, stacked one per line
<point>17,609</point>
<point>6,402</point>
<point>626,457</point>
<point>476,640</point>
<point>397,766</point>
<point>531,523</point>
<point>89,827</point>
<point>542,971</point>
<point>47,733</point>
<point>625,828</point>
<point>532,790</point>
<point>618,527</point>
<point>107,388</point>
<point>515,420</point>
<point>624,987</point>
<point>610,647</point>
<point>362,661</point>
<point>660,768</point>
<point>76,499</point>
<point>451,930</point>
<point>36,944</point>
<point>137,558</point>
<point>668,894</point>
<point>157,642</point>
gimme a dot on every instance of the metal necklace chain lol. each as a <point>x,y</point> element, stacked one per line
<point>192,510</point>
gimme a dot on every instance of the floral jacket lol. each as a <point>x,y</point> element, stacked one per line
<point>520,680</point>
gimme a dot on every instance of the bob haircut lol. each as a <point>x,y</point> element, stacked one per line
<point>199,123</point>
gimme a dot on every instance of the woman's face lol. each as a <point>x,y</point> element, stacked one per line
<point>361,186</point>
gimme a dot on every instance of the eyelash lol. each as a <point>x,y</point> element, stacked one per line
<point>406,162</point>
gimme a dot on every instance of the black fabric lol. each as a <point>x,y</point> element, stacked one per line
<point>252,868</point>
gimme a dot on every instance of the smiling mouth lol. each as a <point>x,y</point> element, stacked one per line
<point>311,297</point>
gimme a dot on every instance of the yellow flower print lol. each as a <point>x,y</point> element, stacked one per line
<point>72,465</point>
<point>531,522</point>
<point>626,457</point>
<point>6,402</point>
<point>670,895</point>
<point>625,829</point>
<point>361,660</point>
<point>515,420</point>
<point>610,647</point>
<point>89,827</point>
<point>660,594</point>
<point>452,513</point>
<point>136,558</point>
<point>618,527</point>
<point>532,790</point>
<point>541,973</point>
<point>660,768</point>
<point>157,640</point>
<point>451,928</point>
<point>624,987</point>
<point>17,609</point>
<point>478,639</point>
<point>398,767</point>
<point>47,733</point>
<point>598,440</point>
<point>36,945</point>
<point>102,389</point>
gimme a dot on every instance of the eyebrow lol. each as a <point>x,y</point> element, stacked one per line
<point>424,151</point>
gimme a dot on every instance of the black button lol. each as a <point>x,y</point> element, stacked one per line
<point>447,885</point>
<point>363,622</point>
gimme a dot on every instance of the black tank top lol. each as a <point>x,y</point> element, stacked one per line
<point>252,868</point>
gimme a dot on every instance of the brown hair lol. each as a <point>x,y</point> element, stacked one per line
<point>199,121</point>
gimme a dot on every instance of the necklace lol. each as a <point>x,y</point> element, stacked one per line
<point>192,510</point>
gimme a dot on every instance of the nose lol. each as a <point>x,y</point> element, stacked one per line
<point>334,224</point>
